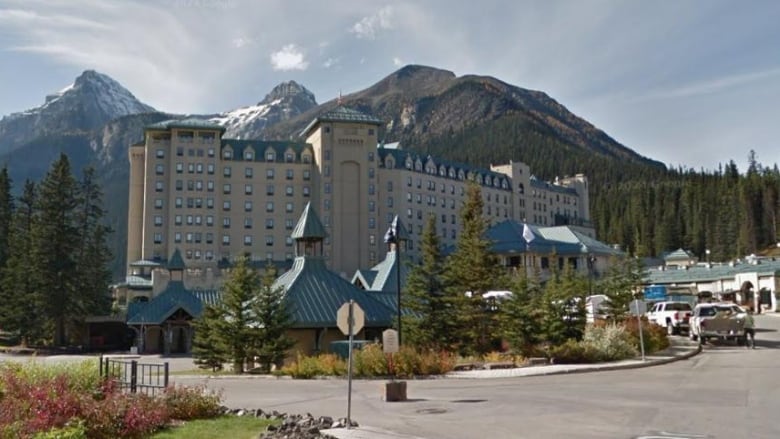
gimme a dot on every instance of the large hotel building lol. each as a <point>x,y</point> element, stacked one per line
<point>215,198</point>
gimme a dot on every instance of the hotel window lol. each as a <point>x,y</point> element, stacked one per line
<point>158,203</point>
<point>248,155</point>
<point>159,169</point>
<point>306,174</point>
<point>269,156</point>
<point>409,196</point>
<point>247,206</point>
<point>248,172</point>
<point>209,255</point>
<point>209,203</point>
<point>210,152</point>
<point>288,224</point>
<point>372,239</point>
<point>226,223</point>
<point>371,206</point>
<point>177,237</point>
<point>160,153</point>
<point>408,213</point>
<point>327,203</point>
<point>269,206</point>
<point>288,207</point>
<point>158,186</point>
<point>288,241</point>
<point>289,174</point>
<point>209,220</point>
<point>210,185</point>
<point>327,154</point>
<point>226,205</point>
<point>189,220</point>
<point>198,220</point>
<point>190,168</point>
<point>179,151</point>
<point>247,239</point>
<point>389,201</point>
<point>226,172</point>
<point>269,223</point>
<point>226,188</point>
<point>289,191</point>
<point>190,185</point>
<point>370,153</point>
<point>269,174</point>
<point>327,188</point>
<point>269,240</point>
<point>389,186</point>
<point>177,220</point>
<point>409,181</point>
<point>371,223</point>
<point>225,239</point>
<point>227,154</point>
<point>326,171</point>
<point>198,237</point>
<point>158,220</point>
<point>179,185</point>
<point>269,190</point>
<point>197,254</point>
<point>452,219</point>
<point>306,191</point>
<point>209,238</point>
<point>371,189</point>
<point>370,172</point>
<point>210,168</point>
<point>289,157</point>
<point>158,238</point>
<point>248,189</point>
<point>179,168</point>
<point>199,168</point>
<point>444,218</point>
<point>189,254</point>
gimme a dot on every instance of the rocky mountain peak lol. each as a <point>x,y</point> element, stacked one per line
<point>289,89</point>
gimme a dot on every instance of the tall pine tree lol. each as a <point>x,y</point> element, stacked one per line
<point>273,318</point>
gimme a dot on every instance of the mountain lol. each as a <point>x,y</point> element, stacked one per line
<point>470,119</point>
<point>286,101</point>
<point>424,106</point>
<point>89,103</point>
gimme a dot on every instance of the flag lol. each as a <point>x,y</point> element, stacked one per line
<point>528,234</point>
<point>391,236</point>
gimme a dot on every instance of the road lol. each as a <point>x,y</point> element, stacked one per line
<point>724,392</point>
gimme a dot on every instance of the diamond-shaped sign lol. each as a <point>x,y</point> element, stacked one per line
<point>358,318</point>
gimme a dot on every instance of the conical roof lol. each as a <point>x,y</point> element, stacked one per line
<point>309,226</point>
<point>176,262</point>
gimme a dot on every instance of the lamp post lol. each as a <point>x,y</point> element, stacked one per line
<point>591,261</point>
<point>707,252</point>
<point>394,236</point>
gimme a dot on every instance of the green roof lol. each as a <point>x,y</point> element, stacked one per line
<point>384,275</point>
<point>342,114</point>
<point>309,226</point>
<point>176,262</point>
<point>260,147</point>
<point>507,237</point>
<point>315,294</point>
<point>189,123</point>
<point>710,273</point>
<point>679,255</point>
<point>159,308</point>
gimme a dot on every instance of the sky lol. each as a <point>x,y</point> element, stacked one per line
<point>690,83</point>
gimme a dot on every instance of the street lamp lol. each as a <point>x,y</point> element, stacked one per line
<point>591,262</point>
<point>707,252</point>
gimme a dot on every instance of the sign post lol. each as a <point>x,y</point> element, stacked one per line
<point>350,319</point>
<point>639,307</point>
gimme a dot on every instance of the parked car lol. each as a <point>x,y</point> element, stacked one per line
<point>674,316</point>
<point>725,321</point>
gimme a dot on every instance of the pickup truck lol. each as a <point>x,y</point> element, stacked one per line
<point>673,316</point>
<point>725,321</point>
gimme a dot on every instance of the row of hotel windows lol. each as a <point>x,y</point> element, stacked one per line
<point>270,155</point>
<point>488,180</point>
<point>197,168</point>
<point>197,185</point>
<point>197,220</point>
<point>249,154</point>
<point>197,237</point>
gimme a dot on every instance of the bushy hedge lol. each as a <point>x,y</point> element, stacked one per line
<point>72,402</point>
<point>600,343</point>
<point>371,361</point>
<point>654,336</point>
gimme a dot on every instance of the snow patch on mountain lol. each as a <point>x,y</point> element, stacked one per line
<point>235,120</point>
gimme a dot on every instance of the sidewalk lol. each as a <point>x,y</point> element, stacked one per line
<point>681,348</point>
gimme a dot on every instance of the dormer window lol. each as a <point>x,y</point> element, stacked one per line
<point>227,154</point>
<point>249,155</point>
<point>270,156</point>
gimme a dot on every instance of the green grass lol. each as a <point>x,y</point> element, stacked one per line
<point>204,372</point>
<point>234,427</point>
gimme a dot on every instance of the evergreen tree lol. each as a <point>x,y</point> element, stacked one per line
<point>92,255</point>
<point>208,349</point>
<point>237,325</point>
<point>274,318</point>
<point>55,241</point>
<point>621,285</point>
<point>521,314</point>
<point>471,271</point>
<point>433,319</point>
<point>21,310</point>
<point>6,214</point>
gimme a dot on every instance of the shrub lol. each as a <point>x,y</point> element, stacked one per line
<point>186,403</point>
<point>73,430</point>
<point>611,342</point>
<point>574,352</point>
<point>655,338</point>
<point>305,367</point>
<point>436,363</point>
<point>370,361</point>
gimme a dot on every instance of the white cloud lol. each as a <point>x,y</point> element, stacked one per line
<point>397,62</point>
<point>289,58</point>
<point>711,86</point>
<point>331,62</point>
<point>368,27</point>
